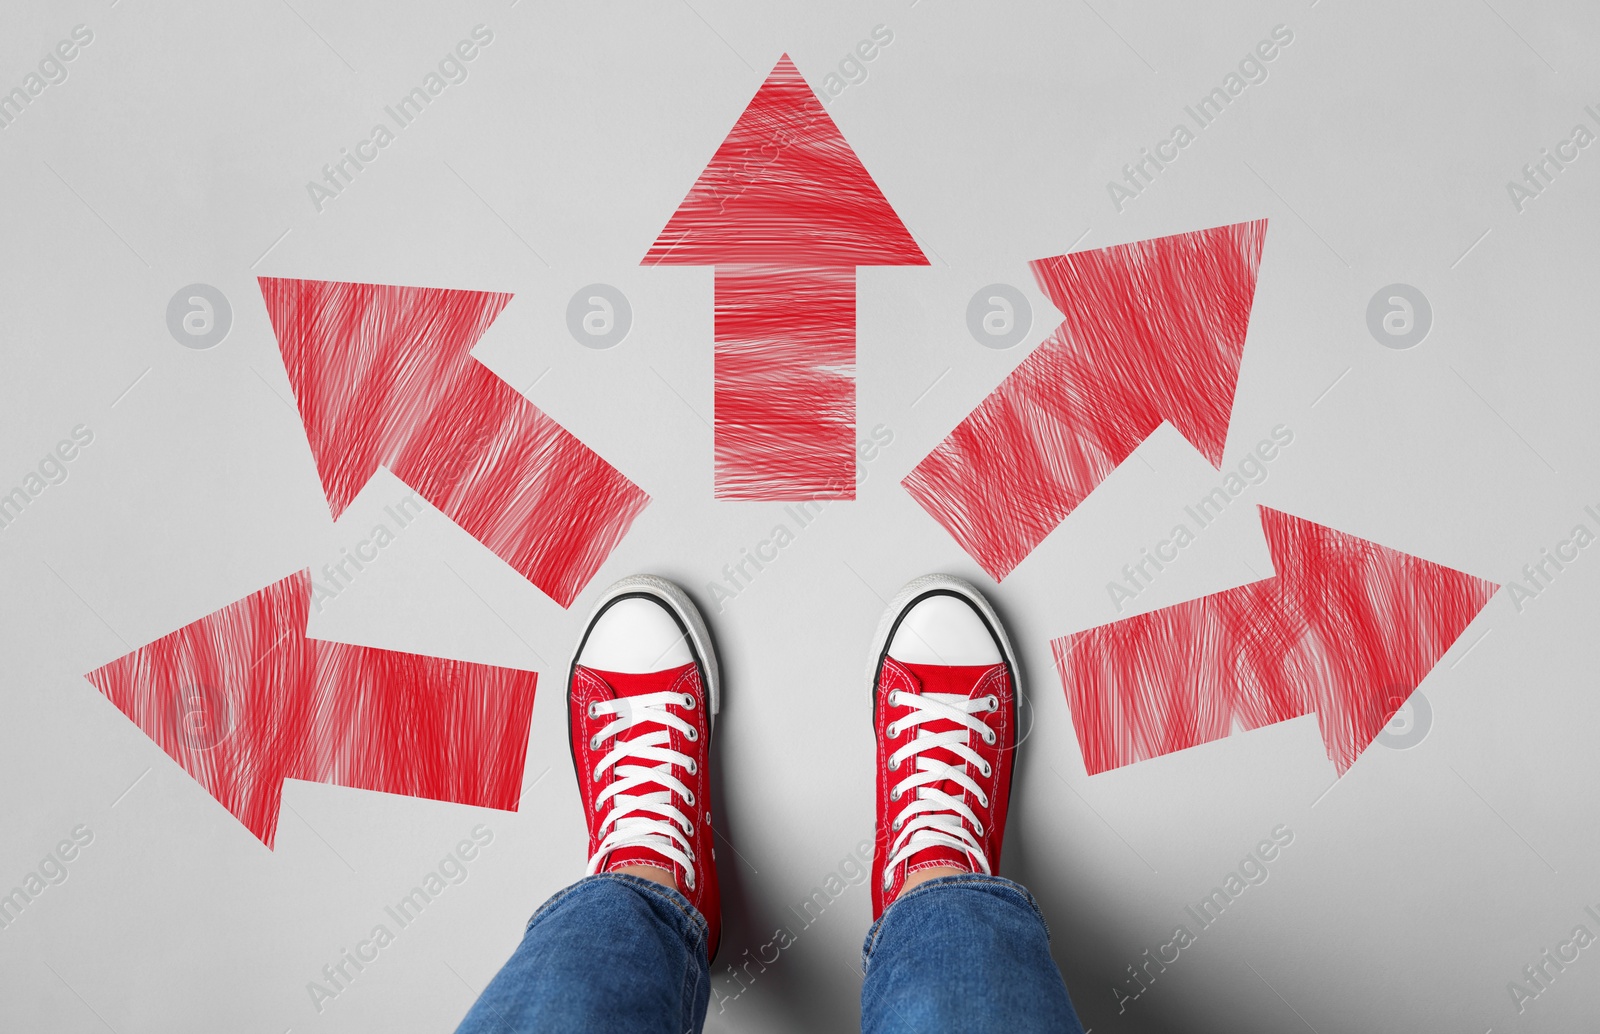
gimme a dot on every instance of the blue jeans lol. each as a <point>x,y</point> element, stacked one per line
<point>617,953</point>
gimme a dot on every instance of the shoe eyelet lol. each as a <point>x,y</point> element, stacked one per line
<point>688,701</point>
<point>978,829</point>
<point>594,709</point>
<point>892,730</point>
<point>690,851</point>
<point>983,801</point>
<point>986,770</point>
<point>994,702</point>
<point>896,824</point>
<point>894,795</point>
<point>689,798</point>
<point>594,743</point>
<point>692,735</point>
<point>693,768</point>
<point>688,827</point>
<point>894,765</point>
<point>689,881</point>
<point>894,698</point>
<point>888,880</point>
<point>989,737</point>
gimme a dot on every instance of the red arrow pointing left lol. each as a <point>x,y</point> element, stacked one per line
<point>243,700</point>
<point>384,377</point>
<point>1345,630</point>
<point>785,211</point>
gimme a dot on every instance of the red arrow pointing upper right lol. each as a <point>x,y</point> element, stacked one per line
<point>1154,331</point>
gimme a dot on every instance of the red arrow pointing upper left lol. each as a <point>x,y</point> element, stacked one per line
<point>384,377</point>
<point>243,700</point>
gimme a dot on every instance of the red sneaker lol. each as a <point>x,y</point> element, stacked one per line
<point>641,700</point>
<point>944,707</point>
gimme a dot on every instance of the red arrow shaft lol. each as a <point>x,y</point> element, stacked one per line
<point>785,382</point>
<point>419,726</point>
<point>1346,630</point>
<point>1029,454</point>
<point>243,700</point>
<point>518,482</point>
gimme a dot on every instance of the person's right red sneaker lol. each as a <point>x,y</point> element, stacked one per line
<point>944,684</point>
<point>642,696</point>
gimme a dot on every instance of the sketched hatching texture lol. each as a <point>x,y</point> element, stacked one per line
<point>1154,331</point>
<point>1346,630</point>
<point>384,376</point>
<point>785,211</point>
<point>281,706</point>
<point>785,373</point>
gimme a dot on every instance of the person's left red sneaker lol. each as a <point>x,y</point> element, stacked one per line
<point>641,698</point>
<point>944,683</point>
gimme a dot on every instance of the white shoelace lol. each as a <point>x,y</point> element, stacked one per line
<point>629,822</point>
<point>934,818</point>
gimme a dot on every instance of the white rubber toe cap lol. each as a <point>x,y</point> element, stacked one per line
<point>634,636</point>
<point>943,629</point>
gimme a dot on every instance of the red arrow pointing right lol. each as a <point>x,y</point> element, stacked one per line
<point>1346,630</point>
<point>1154,331</point>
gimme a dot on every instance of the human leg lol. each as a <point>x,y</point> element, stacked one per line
<point>628,948</point>
<point>953,946</point>
<point>612,952</point>
<point>968,953</point>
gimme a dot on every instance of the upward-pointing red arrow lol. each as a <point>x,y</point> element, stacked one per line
<point>785,211</point>
<point>1154,331</point>
<point>384,376</point>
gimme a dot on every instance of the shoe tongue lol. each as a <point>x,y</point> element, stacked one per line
<point>628,684</point>
<point>950,684</point>
<point>961,680</point>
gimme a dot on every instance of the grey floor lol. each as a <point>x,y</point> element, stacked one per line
<point>1380,144</point>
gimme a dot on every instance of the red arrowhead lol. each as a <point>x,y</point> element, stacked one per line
<point>1154,331</point>
<point>785,211</point>
<point>1346,630</point>
<point>785,189</point>
<point>243,700</point>
<point>384,376</point>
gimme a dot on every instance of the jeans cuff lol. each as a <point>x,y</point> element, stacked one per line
<point>696,930</point>
<point>997,885</point>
